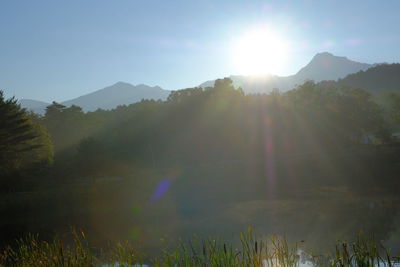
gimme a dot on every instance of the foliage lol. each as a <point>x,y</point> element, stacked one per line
<point>394,100</point>
<point>24,143</point>
<point>65,125</point>
<point>211,122</point>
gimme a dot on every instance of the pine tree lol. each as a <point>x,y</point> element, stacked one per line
<point>21,140</point>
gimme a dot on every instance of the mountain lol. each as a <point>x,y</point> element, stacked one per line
<point>109,97</point>
<point>120,93</point>
<point>36,106</point>
<point>323,66</point>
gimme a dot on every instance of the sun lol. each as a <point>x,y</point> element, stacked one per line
<point>259,51</point>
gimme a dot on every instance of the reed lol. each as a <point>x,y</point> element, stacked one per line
<point>266,252</point>
<point>30,251</point>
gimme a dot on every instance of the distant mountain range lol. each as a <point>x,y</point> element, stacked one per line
<point>333,70</point>
<point>34,105</point>
<point>323,66</point>
<point>109,97</point>
<point>118,94</point>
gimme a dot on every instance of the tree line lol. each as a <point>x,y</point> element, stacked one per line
<point>194,125</point>
<point>203,151</point>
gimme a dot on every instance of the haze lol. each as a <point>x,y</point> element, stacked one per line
<point>200,133</point>
<point>58,51</point>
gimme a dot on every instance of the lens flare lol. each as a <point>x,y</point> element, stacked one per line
<point>161,189</point>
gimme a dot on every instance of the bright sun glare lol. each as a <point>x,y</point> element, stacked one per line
<point>260,51</point>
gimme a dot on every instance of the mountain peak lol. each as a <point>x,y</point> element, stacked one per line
<point>327,66</point>
<point>326,56</point>
<point>323,66</point>
<point>126,85</point>
<point>120,83</point>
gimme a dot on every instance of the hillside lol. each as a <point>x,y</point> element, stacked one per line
<point>381,78</point>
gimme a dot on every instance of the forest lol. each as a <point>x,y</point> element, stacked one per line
<point>318,163</point>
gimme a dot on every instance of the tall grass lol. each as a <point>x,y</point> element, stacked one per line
<point>252,251</point>
<point>363,252</point>
<point>32,252</point>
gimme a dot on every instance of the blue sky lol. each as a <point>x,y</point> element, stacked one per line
<point>57,50</point>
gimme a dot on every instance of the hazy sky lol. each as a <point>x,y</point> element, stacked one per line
<point>57,50</point>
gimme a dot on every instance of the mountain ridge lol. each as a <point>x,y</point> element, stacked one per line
<point>323,66</point>
<point>120,93</point>
<point>109,97</point>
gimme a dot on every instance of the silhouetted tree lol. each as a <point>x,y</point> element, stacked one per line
<point>22,141</point>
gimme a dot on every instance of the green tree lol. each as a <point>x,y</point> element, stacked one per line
<point>361,115</point>
<point>394,100</point>
<point>66,125</point>
<point>23,142</point>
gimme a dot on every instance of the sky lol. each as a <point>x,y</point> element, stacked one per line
<point>58,50</point>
